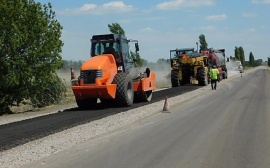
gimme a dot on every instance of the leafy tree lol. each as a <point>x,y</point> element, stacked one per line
<point>203,43</point>
<point>251,59</point>
<point>257,62</point>
<point>237,53</point>
<point>136,56</point>
<point>145,62</point>
<point>29,50</point>
<point>233,58</point>
<point>67,64</point>
<point>115,28</point>
<point>163,61</point>
<point>242,55</point>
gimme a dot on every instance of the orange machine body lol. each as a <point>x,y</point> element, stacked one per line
<point>145,84</point>
<point>104,68</point>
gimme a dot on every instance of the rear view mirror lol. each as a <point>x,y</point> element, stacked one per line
<point>137,47</point>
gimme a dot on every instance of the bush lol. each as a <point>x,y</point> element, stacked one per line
<point>54,91</point>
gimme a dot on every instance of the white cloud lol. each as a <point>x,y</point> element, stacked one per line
<point>111,7</point>
<point>180,29</point>
<point>148,29</point>
<point>261,1</point>
<point>142,19</point>
<point>248,15</point>
<point>216,17</point>
<point>125,21</point>
<point>189,11</point>
<point>146,11</point>
<point>251,30</point>
<point>87,7</point>
<point>204,28</point>
<point>177,4</point>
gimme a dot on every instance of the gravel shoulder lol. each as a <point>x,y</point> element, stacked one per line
<point>38,149</point>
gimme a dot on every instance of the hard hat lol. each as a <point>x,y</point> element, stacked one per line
<point>214,66</point>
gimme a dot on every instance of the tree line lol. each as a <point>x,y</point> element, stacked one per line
<point>240,56</point>
<point>67,64</point>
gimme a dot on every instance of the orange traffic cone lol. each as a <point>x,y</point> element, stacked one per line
<point>166,105</point>
<point>72,74</point>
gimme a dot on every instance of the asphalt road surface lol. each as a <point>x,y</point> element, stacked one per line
<point>21,132</point>
<point>227,127</point>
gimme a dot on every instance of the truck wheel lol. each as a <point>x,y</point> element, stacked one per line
<point>124,89</point>
<point>87,103</point>
<point>223,75</point>
<point>175,78</point>
<point>205,80</point>
<point>182,82</point>
<point>219,78</point>
<point>202,78</point>
<point>146,96</point>
<point>106,102</point>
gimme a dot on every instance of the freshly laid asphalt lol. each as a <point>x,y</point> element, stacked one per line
<point>21,132</point>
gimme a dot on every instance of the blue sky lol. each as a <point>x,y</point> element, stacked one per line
<point>160,25</point>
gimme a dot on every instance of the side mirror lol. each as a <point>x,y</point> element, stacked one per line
<point>137,47</point>
<point>228,60</point>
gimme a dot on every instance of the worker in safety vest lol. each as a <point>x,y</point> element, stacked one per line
<point>214,77</point>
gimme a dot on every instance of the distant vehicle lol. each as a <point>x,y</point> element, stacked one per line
<point>187,64</point>
<point>217,57</point>
<point>239,67</point>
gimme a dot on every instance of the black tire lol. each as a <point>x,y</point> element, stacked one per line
<point>106,102</point>
<point>175,78</point>
<point>185,80</point>
<point>87,103</point>
<point>223,75</point>
<point>143,96</point>
<point>202,78</point>
<point>124,90</point>
<point>220,78</point>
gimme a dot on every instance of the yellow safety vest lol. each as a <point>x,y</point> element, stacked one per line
<point>214,74</point>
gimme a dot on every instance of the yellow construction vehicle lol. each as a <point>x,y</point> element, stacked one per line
<point>189,65</point>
